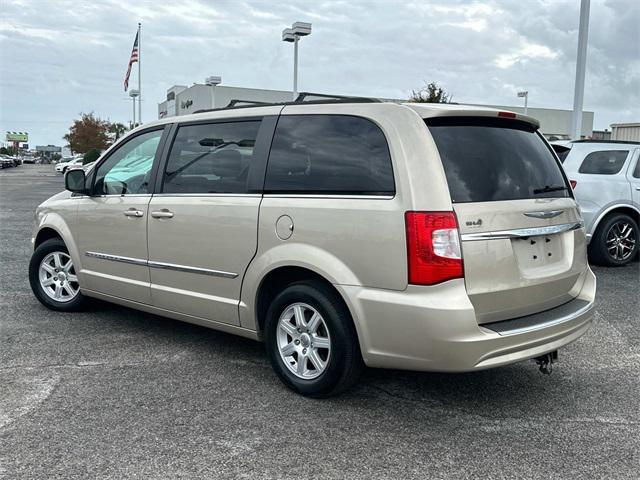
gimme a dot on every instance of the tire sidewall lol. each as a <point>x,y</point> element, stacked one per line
<point>47,247</point>
<point>342,348</point>
<point>603,254</point>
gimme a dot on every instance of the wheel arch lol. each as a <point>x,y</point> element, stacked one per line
<point>276,279</point>
<point>626,209</point>
<point>54,226</point>
<point>44,234</point>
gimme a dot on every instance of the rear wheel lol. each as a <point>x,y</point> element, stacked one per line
<point>311,341</point>
<point>53,278</point>
<point>615,242</point>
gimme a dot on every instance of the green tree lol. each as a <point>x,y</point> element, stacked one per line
<point>87,133</point>
<point>4,151</point>
<point>91,156</point>
<point>117,129</point>
<point>430,93</point>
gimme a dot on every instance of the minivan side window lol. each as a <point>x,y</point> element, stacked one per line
<point>127,169</point>
<point>607,162</point>
<point>329,154</point>
<point>211,158</point>
<point>636,172</point>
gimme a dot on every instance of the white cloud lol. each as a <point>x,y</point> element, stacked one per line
<point>58,58</point>
<point>523,53</point>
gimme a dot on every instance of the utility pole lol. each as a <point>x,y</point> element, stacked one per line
<point>581,67</point>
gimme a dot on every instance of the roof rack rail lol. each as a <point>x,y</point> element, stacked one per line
<point>324,98</point>
<point>237,102</point>
<point>307,98</point>
<point>588,140</point>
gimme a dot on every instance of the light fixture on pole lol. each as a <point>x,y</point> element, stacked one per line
<point>133,94</point>
<point>524,94</point>
<point>293,34</point>
<point>212,81</point>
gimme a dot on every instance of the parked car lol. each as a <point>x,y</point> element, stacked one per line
<point>62,167</point>
<point>28,159</point>
<point>6,161</point>
<point>605,176</point>
<point>339,232</point>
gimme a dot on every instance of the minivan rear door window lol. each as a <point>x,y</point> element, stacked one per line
<point>329,154</point>
<point>487,159</point>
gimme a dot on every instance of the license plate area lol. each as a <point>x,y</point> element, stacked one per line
<point>539,252</point>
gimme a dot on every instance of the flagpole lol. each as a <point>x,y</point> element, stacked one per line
<point>139,70</point>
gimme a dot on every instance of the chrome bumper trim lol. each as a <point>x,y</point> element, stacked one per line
<point>541,325</point>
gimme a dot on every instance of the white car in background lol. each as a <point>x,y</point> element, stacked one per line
<point>605,177</point>
<point>62,167</point>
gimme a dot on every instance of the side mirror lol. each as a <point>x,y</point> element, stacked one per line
<point>74,181</point>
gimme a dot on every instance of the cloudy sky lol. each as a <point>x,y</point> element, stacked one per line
<point>60,58</point>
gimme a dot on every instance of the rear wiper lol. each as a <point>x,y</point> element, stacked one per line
<point>549,188</point>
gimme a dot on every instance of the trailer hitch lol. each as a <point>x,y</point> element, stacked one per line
<point>545,362</point>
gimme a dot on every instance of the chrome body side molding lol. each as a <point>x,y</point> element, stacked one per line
<point>163,265</point>
<point>116,258</point>
<point>521,232</point>
<point>188,269</point>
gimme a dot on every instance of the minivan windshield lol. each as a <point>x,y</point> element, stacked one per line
<point>494,159</point>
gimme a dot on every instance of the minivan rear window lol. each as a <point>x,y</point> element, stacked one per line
<point>494,159</point>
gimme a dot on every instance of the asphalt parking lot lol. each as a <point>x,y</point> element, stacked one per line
<point>116,393</point>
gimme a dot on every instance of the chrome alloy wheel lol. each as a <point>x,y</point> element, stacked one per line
<point>621,240</point>
<point>303,340</point>
<point>58,277</point>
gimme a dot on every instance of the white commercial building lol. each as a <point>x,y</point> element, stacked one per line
<point>181,100</point>
<point>184,100</point>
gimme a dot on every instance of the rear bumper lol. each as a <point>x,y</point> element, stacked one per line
<point>435,328</point>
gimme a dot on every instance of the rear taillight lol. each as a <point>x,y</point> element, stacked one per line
<point>433,247</point>
<point>573,183</point>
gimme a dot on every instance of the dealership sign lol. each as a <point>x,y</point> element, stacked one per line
<point>17,137</point>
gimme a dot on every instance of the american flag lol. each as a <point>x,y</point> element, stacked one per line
<point>133,59</point>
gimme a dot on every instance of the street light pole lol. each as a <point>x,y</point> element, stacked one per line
<point>295,67</point>
<point>293,34</point>
<point>581,68</point>
<point>133,94</point>
<point>524,94</point>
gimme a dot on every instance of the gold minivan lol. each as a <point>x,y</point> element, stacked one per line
<point>341,232</point>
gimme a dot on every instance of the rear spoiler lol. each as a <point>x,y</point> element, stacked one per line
<point>430,111</point>
<point>482,121</point>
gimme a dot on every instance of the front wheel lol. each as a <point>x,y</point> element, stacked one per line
<point>311,341</point>
<point>615,242</point>
<point>53,277</point>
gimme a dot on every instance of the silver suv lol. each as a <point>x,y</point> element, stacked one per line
<point>605,176</point>
<point>342,233</point>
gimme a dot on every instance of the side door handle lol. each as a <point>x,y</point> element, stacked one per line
<point>133,212</point>
<point>638,188</point>
<point>164,213</point>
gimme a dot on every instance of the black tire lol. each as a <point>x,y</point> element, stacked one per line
<point>44,249</point>
<point>598,252</point>
<point>345,360</point>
